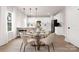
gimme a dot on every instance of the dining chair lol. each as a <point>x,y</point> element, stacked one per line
<point>47,33</point>
<point>48,41</point>
<point>26,39</point>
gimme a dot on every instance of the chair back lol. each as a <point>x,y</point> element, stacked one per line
<point>24,37</point>
<point>50,38</point>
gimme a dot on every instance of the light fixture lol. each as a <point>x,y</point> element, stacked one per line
<point>24,11</point>
<point>30,12</point>
<point>23,8</point>
<point>36,11</point>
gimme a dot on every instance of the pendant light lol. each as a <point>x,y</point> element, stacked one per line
<point>30,12</point>
<point>36,11</point>
<point>24,11</point>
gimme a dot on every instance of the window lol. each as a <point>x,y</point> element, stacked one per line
<point>9,21</point>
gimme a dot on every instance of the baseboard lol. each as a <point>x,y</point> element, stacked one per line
<point>67,40</point>
<point>7,42</point>
<point>73,43</point>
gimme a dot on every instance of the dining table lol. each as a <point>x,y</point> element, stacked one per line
<point>37,36</point>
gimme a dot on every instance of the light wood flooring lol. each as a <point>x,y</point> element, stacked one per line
<point>59,44</point>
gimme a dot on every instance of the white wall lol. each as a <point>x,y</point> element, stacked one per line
<point>44,20</point>
<point>20,19</point>
<point>3,32</point>
<point>17,21</point>
<point>72,21</point>
<point>61,19</point>
<point>0,23</point>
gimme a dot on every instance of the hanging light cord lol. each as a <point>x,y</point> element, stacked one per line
<point>30,12</point>
<point>36,11</point>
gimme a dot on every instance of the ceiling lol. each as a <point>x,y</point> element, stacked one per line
<point>41,10</point>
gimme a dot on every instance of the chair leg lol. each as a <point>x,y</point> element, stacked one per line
<point>48,48</point>
<point>21,46</point>
<point>35,48</point>
<point>53,47</point>
<point>24,47</point>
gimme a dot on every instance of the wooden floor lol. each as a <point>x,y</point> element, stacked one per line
<point>59,44</point>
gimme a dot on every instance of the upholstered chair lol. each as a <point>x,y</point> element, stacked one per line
<point>26,39</point>
<point>48,41</point>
